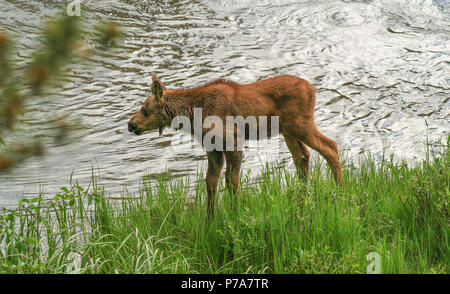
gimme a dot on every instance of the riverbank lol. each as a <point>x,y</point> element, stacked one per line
<point>392,212</point>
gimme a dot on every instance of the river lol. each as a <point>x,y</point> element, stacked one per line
<point>381,69</point>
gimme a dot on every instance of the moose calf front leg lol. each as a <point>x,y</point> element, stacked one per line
<point>232,173</point>
<point>215,164</point>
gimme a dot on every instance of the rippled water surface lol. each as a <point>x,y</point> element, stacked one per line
<point>381,68</point>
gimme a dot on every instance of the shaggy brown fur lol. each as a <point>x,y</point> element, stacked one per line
<point>290,98</point>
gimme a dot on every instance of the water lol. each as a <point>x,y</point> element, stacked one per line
<point>381,68</point>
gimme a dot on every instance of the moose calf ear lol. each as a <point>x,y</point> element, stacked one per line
<point>157,87</point>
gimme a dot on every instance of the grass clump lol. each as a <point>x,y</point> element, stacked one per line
<point>279,225</point>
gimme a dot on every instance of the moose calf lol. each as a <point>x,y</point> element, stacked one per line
<point>288,98</point>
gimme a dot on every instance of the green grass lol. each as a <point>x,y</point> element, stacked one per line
<point>280,225</point>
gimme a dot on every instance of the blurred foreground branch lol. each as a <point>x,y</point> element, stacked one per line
<point>62,37</point>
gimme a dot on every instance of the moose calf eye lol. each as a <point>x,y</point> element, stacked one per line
<point>144,112</point>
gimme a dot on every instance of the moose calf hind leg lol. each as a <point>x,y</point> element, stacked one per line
<point>328,149</point>
<point>300,155</point>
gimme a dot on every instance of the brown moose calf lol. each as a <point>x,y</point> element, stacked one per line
<point>288,98</point>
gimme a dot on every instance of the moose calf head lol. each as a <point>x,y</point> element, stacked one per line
<point>151,115</point>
